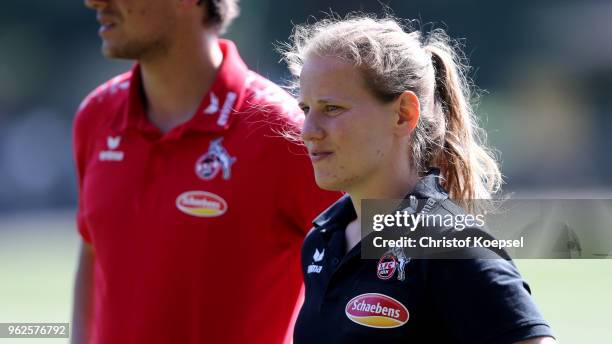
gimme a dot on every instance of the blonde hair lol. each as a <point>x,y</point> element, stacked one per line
<point>393,60</point>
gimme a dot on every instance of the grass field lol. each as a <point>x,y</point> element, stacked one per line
<point>37,263</point>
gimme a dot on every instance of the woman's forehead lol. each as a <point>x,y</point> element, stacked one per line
<point>326,64</point>
<point>330,76</point>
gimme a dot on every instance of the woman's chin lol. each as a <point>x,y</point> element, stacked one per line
<point>329,184</point>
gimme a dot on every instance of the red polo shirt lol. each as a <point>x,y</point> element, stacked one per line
<point>197,232</point>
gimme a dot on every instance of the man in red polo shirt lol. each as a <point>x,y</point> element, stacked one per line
<point>192,204</point>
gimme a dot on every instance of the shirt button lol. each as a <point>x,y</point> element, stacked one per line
<point>335,261</point>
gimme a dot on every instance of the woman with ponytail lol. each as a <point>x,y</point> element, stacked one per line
<point>389,115</point>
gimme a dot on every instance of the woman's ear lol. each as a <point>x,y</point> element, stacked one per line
<point>408,110</point>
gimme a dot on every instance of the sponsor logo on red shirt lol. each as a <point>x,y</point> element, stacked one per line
<point>201,204</point>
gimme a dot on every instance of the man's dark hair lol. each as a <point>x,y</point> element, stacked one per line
<point>220,13</point>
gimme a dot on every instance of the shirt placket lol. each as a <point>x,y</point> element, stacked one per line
<point>338,261</point>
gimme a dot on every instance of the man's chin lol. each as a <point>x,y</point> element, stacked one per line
<point>113,52</point>
<point>108,52</point>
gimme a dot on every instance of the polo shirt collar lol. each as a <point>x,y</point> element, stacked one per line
<point>429,186</point>
<point>342,211</point>
<point>216,111</point>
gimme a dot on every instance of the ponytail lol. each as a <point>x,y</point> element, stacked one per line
<point>469,169</point>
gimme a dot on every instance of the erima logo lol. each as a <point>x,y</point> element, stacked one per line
<point>316,257</point>
<point>428,206</point>
<point>112,142</point>
<point>213,106</point>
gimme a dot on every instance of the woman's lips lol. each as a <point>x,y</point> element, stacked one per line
<point>318,156</point>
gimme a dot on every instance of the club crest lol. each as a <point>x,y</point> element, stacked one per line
<point>217,159</point>
<point>392,261</point>
<point>386,267</point>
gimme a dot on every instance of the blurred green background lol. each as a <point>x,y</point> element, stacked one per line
<point>545,68</point>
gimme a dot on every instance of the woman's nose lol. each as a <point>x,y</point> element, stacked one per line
<point>311,130</point>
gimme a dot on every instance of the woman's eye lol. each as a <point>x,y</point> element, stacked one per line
<point>332,108</point>
<point>305,109</point>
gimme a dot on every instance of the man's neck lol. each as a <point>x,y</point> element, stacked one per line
<point>174,83</point>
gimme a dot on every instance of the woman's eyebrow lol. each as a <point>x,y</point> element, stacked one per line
<point>319,101</point>
<point>327,100</point>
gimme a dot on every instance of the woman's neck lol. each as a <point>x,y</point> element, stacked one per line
<point>390,187</point>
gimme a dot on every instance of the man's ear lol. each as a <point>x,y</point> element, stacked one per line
<point>408,110</point>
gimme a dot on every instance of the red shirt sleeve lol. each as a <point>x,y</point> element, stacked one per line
<point>80,154</point>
